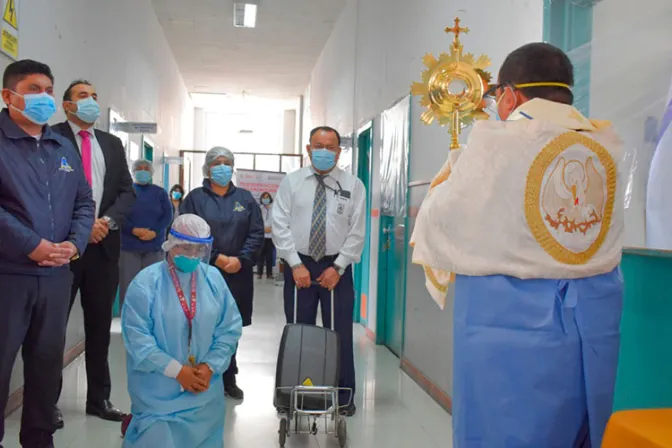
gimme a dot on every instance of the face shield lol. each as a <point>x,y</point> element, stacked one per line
<point>189,243</point>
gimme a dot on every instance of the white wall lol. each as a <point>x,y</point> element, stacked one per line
<point>374,54</point>
<point>120,47</point>
<point>630,77</point>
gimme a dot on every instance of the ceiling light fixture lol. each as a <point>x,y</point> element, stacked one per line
<point>245,13</point>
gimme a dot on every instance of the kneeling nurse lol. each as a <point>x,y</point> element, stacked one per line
<point>180,327</point>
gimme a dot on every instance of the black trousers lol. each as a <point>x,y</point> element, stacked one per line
<point>229,376</point>
<point>95,277</point>
<point>33,317</point>
<point>266,257</point>
<point>344,303</point>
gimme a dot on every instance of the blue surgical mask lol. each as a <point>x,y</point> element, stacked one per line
<point>88,110</point>
<point>143,177</point>
<point>265,201</point>
<point>186,264</point>
<point>221,174</point>
<point>176,195</point>
<point>323,159</point>
<point>40,107</point>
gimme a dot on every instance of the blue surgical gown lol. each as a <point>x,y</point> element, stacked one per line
<point>534,360</point>
<point>155,332</point>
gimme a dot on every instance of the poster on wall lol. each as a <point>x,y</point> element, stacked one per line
<point>9,42</point>
<point>258,182</point>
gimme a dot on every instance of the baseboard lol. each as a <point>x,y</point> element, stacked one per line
<point>442,398</point>
<point>370,334</point>
<point>16,398</point>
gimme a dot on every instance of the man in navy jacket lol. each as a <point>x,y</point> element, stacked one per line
<point>46,217</point>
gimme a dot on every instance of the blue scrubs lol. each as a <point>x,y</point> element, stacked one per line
<point>535,361</point>
<point>155,332</point>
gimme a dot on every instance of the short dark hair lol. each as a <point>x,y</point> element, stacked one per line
<point>326,129</point>
<point>540,62</point>
<point>266,193</point>
<point>17,72</point>
<point>67,95</point>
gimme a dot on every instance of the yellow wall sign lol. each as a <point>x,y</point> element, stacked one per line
<point>9,37</point>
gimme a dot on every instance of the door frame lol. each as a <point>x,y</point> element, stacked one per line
<point>381,287</point>
<point>364,161</point>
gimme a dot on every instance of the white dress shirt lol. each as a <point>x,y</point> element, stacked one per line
<point>98,166</point>
<point>346,218</point>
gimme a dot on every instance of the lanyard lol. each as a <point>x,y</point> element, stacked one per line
<point>188,309</point>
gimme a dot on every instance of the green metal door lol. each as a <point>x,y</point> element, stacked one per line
<point>364,146</point>
<point>394,163</point>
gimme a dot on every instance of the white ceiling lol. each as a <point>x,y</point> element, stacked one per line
<point>272,60</point>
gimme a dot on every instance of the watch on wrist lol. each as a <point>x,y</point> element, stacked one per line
<point>339,269</point>
<point>297,266</point>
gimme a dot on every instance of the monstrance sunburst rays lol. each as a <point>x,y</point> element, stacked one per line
<point>452,87</point>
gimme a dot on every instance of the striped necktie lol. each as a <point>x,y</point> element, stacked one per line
<point>318,228</point>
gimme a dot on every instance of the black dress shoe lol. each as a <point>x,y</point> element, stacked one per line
<point>348,411</point>
<point>106,411</point>
<point>234,392</point>
<point>58,419</point>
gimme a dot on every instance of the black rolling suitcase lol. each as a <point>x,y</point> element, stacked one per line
<point>308,356</point>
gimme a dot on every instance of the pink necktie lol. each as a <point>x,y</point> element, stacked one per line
<point>86,154</point>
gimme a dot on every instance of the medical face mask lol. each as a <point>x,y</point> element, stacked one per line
<point>39,108</point>
<point>265,201</point>
<point>186,264</point>
<point>88,110</point>
<point>221,174</point>
<point>142,177</point>
<point>176,195</point>
<point>323,159</point>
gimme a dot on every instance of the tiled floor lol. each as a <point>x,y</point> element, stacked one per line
<point>393,412</point>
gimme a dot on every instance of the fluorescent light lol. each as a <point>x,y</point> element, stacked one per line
<point>250,20</point>
<point>245,14</point>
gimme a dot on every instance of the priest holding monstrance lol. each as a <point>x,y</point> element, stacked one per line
<point>527,223</point>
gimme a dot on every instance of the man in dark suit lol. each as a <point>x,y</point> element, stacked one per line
<point>96,274</point>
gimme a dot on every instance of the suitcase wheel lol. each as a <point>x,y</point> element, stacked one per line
<point>282,433</point>
<point>342,432</point>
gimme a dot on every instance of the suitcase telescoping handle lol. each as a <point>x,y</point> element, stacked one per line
<point>314,284</point>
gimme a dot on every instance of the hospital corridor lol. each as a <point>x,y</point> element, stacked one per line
<point>336,223</point>
<point>393,412</point>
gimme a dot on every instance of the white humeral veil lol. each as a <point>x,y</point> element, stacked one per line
<point>536,196</point>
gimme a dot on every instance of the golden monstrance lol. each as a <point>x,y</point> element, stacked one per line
<point>453,86</point>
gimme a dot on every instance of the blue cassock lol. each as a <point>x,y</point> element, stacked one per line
<point>554,347</point>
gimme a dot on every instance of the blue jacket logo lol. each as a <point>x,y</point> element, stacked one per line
<point>238,208</point>
<point>65,166</point>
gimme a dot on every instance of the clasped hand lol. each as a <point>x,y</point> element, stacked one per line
<point>230,265</point>
<point>144,234</point>
<point>48,254</point>
<point>195,379</point>
<point>328,279</point>
<point>100,231</point>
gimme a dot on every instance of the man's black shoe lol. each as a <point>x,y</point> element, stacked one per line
<point>58,419</point>
<point>234,392</point>
<point>106,411</point>
<point>349,410</point>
